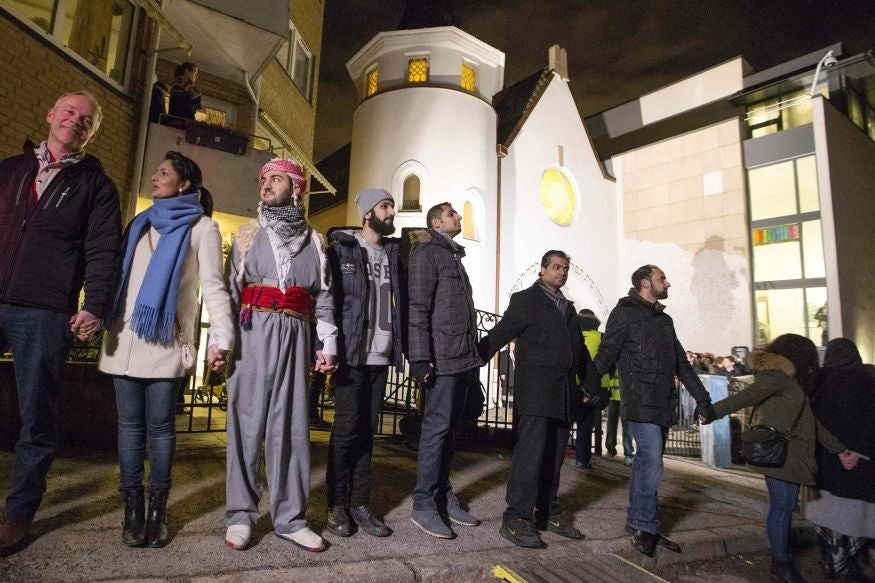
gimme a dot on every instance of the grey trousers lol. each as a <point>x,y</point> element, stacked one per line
<point>267,403</point>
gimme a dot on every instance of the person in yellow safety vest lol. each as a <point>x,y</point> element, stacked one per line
<point>588,414</point>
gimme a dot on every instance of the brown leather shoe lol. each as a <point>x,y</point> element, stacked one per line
<point>13,535</point>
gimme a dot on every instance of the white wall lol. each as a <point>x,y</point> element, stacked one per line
<point>450,136</point>
<point>526,230</point>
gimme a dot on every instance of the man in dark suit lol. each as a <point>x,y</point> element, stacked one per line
<point>551,362</point>
<point>505,373</point>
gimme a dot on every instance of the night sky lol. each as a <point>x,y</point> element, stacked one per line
<point>617,49</point>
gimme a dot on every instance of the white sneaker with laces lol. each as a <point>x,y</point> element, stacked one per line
<point>237,536</point>
<point>304,538</point>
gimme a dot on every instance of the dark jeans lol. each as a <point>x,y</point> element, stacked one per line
<point>358,398</point>
<point>146,408</point>
<point>646,476</point>
<point>40,341</point>
<point>782,501</point>
<point>611,434</point>
<point>444,402</point>
<point>587,418</point>
<point>534,472</point>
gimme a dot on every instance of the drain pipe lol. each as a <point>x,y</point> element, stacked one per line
<point>143,130</point>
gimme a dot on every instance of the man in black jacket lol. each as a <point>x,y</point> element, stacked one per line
<point>551,363</point>
<point>59,226</point>
<point>367,300</point>
<point>640,341</point>
<point>443,358</point>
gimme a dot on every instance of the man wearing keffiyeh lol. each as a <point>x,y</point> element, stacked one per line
<point>278,279</point>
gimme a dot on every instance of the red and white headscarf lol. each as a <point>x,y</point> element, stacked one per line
<point>295,172</point>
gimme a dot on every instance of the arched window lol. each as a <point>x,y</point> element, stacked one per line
<point>417,70</point>
<point>410,202</point>
<point>469,222</point>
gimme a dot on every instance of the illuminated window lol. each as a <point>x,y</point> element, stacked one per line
<point>99,31</point>
<point>558,196</point>
<point>469,77</point>
<point>372,80</point>
<point>410,201</point>
<point>417,70</point>
<point>469,222</point>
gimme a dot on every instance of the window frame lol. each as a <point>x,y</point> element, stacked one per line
<point>416,57</point>
<point>293,44</point>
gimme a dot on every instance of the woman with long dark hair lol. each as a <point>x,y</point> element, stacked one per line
<point>169,249</point>
<point>785,374</point>
<point>844,513</point>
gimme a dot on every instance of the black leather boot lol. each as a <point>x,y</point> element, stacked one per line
<point>156,523</point>
<point>134,525</point>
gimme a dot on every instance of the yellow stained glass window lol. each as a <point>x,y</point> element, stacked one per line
<point>558,196</point>
<point>469,222</point>
<point>417,70</point>
<point>469,77</point>
<point>373,78</point>
<point>410,201</point>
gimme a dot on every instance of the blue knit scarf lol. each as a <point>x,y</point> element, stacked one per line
<point>155,309</point>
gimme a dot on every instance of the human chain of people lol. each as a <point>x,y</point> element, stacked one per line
<point>286,300</point>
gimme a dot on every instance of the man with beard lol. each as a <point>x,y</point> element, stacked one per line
<point>279,278</point>
<point>367,302</point>
<point>641,342</point>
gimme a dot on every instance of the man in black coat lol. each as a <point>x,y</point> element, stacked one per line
<point>60,227</point>
<point>443,358</point>
<point>641,342</point>
<point>551,363</point>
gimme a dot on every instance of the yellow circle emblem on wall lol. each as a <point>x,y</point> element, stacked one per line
<point>558,196</point>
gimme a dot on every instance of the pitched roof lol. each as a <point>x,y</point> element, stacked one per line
<point>513,104</point>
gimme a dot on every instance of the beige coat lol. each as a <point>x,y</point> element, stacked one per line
<point>125,354</point>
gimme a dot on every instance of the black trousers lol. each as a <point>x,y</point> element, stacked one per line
<point>358,398</point>
<point>537,463</point>
<point>587,418</point>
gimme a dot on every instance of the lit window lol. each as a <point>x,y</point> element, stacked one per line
<point>410,201</point>
<point>297,60</point>
<point>469,222</point>
<point>372,84</point>
<point>469,77</point>
<point>417,70</point>
<point>99,32</point>
<point>558,196</point>
<point>772,191</point>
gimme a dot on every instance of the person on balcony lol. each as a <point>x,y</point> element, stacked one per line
<point>443,359</point>
<point>366,284</point>
<point>279,279</point>
<point>60,226</point>
<point>170,250</point>
<point>185,98</point>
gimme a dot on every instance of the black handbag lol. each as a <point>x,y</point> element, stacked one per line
<point>765,447</point>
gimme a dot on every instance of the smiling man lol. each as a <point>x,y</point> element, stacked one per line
<point>552,364</point>
<point>59,227</point>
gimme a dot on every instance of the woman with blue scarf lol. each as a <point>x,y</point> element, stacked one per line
<point>169,249</point>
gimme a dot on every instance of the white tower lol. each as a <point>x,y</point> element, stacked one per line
<point>425,130</point>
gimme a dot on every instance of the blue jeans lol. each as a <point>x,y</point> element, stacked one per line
<point>444,402</point>
<point>646,476</point>
<point>782,502</point>
<point>40,341</point>
<point>146,407</point>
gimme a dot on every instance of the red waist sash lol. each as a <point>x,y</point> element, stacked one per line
<point>294,301</point>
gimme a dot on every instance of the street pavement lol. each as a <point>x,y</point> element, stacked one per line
<point>77,532</point>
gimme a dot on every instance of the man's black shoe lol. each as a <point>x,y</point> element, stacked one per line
<point>519,532</point>
<point>644,542</point>
<point>338,521</point>
<point>661,540</point>
<point>368,522</point>
<point>561,526</point>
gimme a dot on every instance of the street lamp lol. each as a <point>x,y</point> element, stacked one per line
<point>828,61</point>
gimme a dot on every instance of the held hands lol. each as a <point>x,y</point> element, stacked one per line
<point>216,357</point>
<point>705,412</point>
<point>325,363</point>
<point>849,459</point>
<point>423,372</point>
<point>84,324</point>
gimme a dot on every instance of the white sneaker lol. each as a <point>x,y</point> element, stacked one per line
<point>237,536</point>
<point>304,538</point>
